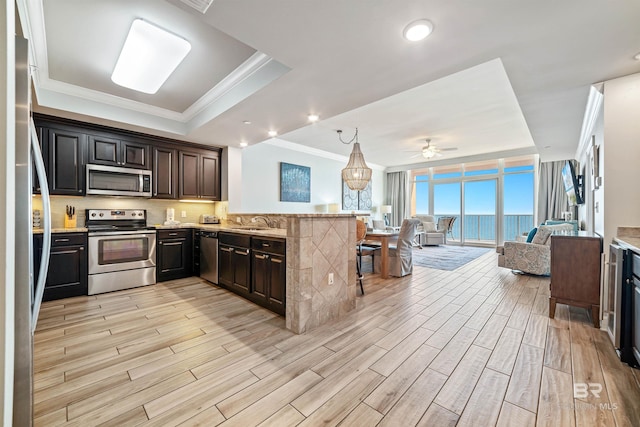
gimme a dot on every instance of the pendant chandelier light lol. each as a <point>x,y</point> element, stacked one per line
<point>356,174</point>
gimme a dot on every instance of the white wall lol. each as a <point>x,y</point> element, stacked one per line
<point>261,180</point>
<point>621,155</point>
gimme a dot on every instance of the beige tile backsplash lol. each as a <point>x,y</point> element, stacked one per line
<point>156,209</point>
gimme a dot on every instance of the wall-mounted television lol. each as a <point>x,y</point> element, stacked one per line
<point>572,184</point>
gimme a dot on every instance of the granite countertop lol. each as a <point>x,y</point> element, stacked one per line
<point>268,232</point>
<point>629,236</point>
<point>62,230</point>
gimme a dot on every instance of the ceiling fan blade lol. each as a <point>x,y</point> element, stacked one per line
<point>449,149</point>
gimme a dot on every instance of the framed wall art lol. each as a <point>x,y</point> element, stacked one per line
<point>295,183</point>
<point>354,200</point>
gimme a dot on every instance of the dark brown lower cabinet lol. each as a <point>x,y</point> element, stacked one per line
<point>174,256</point>
<point>269,273</point>
<point>234,262</point>
<point>68,269</point>
<point>255,268</point>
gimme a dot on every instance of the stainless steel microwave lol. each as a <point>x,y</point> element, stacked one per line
<point>116,181</point>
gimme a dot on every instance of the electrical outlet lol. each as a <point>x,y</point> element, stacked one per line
<point>183,214</point>
<point>330,281</point>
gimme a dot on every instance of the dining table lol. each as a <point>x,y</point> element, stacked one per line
<point>384,237</point>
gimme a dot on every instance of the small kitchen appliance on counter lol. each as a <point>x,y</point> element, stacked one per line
<point>209,219</point>
<point>171,217</point>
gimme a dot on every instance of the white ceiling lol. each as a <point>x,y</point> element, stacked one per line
<point>494,77</point>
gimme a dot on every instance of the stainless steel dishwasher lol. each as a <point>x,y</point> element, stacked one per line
<point>209,256</point>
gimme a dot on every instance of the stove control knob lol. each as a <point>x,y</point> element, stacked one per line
<point>101,214</point>
<point>139,213</point>
<point>93,214</point>
<point>133,214</point>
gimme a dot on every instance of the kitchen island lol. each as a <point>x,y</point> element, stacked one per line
<point>320,261</point>
<point>319,247</point>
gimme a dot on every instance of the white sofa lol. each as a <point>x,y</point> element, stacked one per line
<point>428,233</point>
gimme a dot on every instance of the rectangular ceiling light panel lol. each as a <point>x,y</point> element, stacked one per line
<point>149,56</point>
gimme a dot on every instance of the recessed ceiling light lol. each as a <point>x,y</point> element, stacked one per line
<point>243,144</point>
<point>273,133</point>
<point>418,30</point>
<point>313,117</point>
<point>246,122</point>
<point>149,56</point>
<point>637,57</point>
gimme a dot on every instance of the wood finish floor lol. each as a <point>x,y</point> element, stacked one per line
<point>473,346</point>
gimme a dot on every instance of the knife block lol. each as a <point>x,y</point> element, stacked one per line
<point>70,222</point>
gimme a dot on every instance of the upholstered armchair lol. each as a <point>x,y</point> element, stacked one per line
<point>432,234</point>
<point>531,257</point>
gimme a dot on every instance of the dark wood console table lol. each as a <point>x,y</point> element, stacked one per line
<point>575,272</point>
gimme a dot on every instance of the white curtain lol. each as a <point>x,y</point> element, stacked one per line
<point>397,196</point>
<point>552,198</point>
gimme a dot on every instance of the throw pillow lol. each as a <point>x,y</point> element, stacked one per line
<point>429,227</point>
<point>541,236</point>
<point>531,234</point>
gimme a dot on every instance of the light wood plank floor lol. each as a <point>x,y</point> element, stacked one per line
<point>472,346</point>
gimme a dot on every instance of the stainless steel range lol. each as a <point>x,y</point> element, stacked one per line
<point>122,250</point>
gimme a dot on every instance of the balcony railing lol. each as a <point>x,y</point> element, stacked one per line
<point>483,227</point>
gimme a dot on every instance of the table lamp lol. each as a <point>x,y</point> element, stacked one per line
<point>385,209</point>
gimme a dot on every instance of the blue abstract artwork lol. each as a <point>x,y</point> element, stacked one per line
<point>295,183</point>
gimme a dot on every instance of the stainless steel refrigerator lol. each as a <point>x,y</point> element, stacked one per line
<point>27,296</point>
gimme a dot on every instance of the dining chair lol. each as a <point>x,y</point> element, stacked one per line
<point>362,250</point>
<point>401,256</point>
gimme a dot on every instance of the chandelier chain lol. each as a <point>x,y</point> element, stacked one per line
<point>355,137</point>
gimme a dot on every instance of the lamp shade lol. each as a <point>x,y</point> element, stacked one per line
<point>333,207</point>
<point>385,209</point>
<point>356,174</point>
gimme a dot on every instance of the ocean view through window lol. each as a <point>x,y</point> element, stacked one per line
<point>492,201</point>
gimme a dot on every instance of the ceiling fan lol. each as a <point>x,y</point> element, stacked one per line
<point>430,151</point>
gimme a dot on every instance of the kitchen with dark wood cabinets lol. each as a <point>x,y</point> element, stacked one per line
<point>174,254</point>
<point>68,265</point>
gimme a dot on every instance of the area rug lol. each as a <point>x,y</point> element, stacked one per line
<point>446,257</point>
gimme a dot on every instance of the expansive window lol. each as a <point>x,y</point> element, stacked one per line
<point>492,201</point>
<point>446,202</point>
<point>518,197</point>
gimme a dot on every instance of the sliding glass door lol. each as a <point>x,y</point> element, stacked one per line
<point>480,211</point>
<point>446,202</point>
<point>491,200</point>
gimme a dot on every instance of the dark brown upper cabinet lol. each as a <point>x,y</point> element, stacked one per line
<point>199,175</point>
<point>115,152</point>
<point>65,161</point>
<point>180,169</point>
<point>165,173</point>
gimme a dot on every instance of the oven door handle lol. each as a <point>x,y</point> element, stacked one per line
<point>122,233</point>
